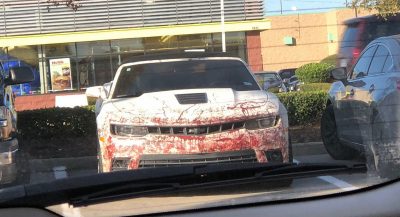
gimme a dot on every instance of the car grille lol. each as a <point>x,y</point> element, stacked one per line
<point>166,160</point>
<point>199,130</point>
<point>192,98</point>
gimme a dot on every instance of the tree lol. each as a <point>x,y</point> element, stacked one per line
<point>383,7</point>
<point>73,4</point>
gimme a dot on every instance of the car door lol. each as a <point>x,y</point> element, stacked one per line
<point>369,90</point>
<point>348,103</point>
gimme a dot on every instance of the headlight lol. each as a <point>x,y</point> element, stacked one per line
<point>127,130</point>
<point>261,123</point>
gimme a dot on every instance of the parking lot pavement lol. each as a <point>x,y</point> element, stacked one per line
<point>45,170</point>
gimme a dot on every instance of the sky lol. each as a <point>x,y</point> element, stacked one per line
<point>273,7</point>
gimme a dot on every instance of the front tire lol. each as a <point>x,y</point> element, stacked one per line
<point>330,138</point>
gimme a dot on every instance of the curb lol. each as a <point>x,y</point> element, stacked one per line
<point>90,162</point>
<point>47,165</point>
<point>309,148</point>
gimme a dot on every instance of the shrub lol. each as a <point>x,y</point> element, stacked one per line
<point>314,72</point>
<point>304,108</point>
<point>307,87</point>
<point>330,59</point>
<point>91,100</point>
<point>57,123</point>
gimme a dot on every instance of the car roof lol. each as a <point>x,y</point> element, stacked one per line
<point>372,18</point>
<point>175,55</point>
<point>381,39</point>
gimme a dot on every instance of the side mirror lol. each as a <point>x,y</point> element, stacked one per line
<point>20,75</point>
<point>94,91</point>
<point>339,74</point>
<point>107,89</point>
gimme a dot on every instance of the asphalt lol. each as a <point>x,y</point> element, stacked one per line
<point>90,162</point>
<point>46,170</point>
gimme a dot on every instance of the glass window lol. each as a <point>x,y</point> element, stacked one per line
<point>94,64</point>
<point>361,68</point>
<point>146,78</point>
<point>23,56</point>
<point>94,70</point>
<point>160,44</point>
<point>388,63</point>
<point>123,49</point>
<point>194,41</point>
<point>235,43</point>
<point>56,50</point>
<point>134,45</point>
<point>93,48</point>
<point>350,35</point>
<point>378,61</point>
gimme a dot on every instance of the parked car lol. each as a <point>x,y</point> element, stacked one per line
<point>363,110</point>
<point>271,81</point>
<point>193,108</point>
<point>8,119</point>
<point>292,83</point>
<point>25,88</point>
<point>362,30</point>
<point>289,79</point>
<point>287,73</point>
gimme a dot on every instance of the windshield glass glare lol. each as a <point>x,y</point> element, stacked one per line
<point>146,78</point>
<point>139,107</point>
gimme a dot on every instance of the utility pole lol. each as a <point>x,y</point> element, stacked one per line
<point>223,26</point>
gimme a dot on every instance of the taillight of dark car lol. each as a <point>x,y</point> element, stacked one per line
<point>355,54</point>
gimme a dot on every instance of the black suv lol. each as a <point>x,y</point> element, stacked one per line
<point>361,31</point>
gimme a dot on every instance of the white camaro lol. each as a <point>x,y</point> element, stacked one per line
<point>187,109</point>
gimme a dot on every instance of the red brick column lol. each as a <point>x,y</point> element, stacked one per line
<point>40,101</point>
<point>254,57</point>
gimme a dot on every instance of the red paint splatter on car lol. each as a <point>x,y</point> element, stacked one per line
<point>230,140</point>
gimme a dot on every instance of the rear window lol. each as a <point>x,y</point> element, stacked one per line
<point>287,73</point>
<point>189,74</point>
<point>350,36</point>
<point>267,77</point>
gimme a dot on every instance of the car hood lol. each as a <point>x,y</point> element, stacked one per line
<point>164,108</point>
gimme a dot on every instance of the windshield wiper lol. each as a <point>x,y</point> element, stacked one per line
<point>213,176</point>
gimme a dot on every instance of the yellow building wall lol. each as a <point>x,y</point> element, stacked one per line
<point>310,32</point>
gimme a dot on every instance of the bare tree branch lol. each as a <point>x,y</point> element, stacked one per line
<point>73,4</point>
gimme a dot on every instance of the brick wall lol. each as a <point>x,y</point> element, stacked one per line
<point>33,102</point>
<point>310,32</point>
<point>254,57</point>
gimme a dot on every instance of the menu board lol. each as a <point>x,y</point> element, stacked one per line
<point>60,71</point>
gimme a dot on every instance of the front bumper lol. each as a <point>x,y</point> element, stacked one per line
<point>8,168</point>
<point>236,145</point>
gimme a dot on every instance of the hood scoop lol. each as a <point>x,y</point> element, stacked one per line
<point>192,98</point>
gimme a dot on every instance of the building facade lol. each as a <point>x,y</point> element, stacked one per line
<point>72,50</point>
<point>309,38</point>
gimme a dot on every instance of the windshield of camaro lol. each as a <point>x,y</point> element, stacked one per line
<point>173,97</point>
<point>184,74</point>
